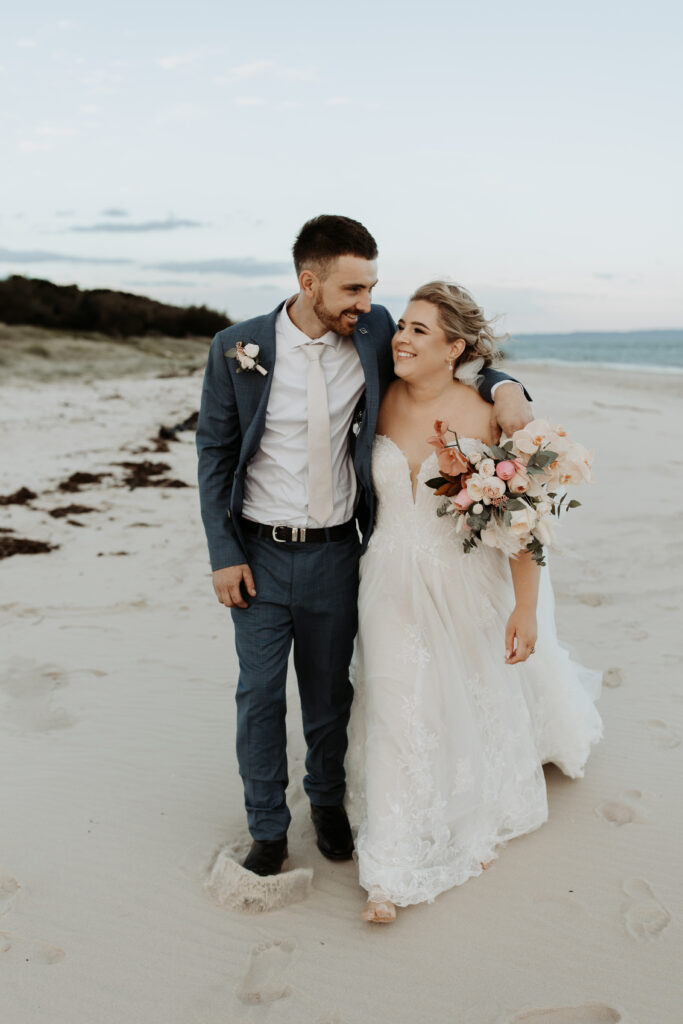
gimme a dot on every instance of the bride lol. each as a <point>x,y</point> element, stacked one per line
<point>461,696</point>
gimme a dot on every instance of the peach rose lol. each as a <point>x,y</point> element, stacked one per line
<point>518,483</point>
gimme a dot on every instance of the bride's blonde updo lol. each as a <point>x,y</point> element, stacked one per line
<point>461,317</point>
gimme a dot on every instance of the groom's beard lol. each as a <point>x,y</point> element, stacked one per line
<point>338,324</point>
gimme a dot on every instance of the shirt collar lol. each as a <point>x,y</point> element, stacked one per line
<point>291,337</point>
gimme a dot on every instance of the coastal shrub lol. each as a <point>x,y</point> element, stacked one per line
<point>25,300</point>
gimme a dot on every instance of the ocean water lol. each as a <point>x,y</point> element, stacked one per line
<point>634,350</point>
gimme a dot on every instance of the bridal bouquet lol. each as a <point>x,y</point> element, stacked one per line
<point>504,495</point>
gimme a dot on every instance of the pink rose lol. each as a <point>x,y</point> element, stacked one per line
<point>463,500</point>
<point>506,470</point>
<point>452,462</point>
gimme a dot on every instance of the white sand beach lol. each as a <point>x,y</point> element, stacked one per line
<point>119,783</point>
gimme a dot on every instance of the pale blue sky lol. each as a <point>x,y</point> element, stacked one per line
<point>531,151</point>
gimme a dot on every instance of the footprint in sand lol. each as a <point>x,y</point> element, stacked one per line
<point>612,677</point>
<point>616,812</point>
<point>30,688</point>
<point>638,634</point>
<point>645,917</point>
<point>662,735</point>
<point>15,948</point>
<point>8,890</point>
<point>589,1013</point>
<point>592,600</point>
<point>264,982</point>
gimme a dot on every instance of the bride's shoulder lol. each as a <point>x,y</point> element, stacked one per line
<point>472,414</point>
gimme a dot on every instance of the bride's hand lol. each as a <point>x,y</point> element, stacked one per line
<point>520,635</point>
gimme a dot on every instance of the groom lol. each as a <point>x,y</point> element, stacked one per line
<point>285,432</point>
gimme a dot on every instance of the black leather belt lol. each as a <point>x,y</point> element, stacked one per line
<point>299,534</point>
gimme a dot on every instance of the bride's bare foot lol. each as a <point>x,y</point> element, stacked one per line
<point>379,912</point>
<point>486,866</point>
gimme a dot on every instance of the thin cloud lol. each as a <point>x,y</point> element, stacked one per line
<point>248,101</point>
<point>237,267</point>
<point>255,67</point>
<point>41,256</point>
<point>178,60</point>
<point>261,68</point>
<point>115,211</point>
<point>171,224</point>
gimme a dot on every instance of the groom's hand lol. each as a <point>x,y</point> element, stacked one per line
<point>228,585</point>
<point>511,411</point>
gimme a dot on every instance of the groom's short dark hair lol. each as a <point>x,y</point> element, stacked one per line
<point>324,238</point>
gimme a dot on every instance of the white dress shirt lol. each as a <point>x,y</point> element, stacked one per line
<point>276,484</point>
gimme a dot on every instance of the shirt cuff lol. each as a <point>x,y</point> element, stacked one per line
<point>502,383</point>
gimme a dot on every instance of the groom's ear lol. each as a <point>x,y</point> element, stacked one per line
<point>307,282</point>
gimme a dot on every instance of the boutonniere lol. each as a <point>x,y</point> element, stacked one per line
<point>247,357</point>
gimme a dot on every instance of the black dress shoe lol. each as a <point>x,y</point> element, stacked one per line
<point>266,856</point>
<point>333,831</point>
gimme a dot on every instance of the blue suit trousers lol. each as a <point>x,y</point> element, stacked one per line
<point>306,596</point>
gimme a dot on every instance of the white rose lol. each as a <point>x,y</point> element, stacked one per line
<point>474,487</point>
<point>544,508</point>
<point>477,508</point>
<point>475,458</point>
<point>522,520</point>
<point>487,467</point>
<point>246,362</point>
<point>543,531</point>
<point>492,488</point>
<point>251,350</point>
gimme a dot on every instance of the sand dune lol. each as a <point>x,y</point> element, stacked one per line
<point>121,803</point>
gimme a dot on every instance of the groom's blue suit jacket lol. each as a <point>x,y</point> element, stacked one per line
<point>232,419</point>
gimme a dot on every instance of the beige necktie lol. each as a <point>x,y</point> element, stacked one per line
<point>320,500</point>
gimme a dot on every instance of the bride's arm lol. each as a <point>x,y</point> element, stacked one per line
<point>520,632</point>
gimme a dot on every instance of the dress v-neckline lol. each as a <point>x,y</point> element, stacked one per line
<point>405,459</point>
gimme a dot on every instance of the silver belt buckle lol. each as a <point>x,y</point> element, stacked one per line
<point>298,533</point>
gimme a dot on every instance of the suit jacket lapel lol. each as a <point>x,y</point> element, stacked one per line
<point>367,353</point>
<point>264,336</point>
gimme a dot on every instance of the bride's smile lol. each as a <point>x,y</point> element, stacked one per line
<point>420,347</point>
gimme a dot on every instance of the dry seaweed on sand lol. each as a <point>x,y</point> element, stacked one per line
<point>22,546</point>
<point>148,474</point>
<point>70,510</point>
<point>78,480</point>
<point>20,497</point>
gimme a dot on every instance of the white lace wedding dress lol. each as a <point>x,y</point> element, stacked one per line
<point>446,741</point>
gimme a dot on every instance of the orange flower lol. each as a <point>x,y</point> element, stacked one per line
<point>452,462</point>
